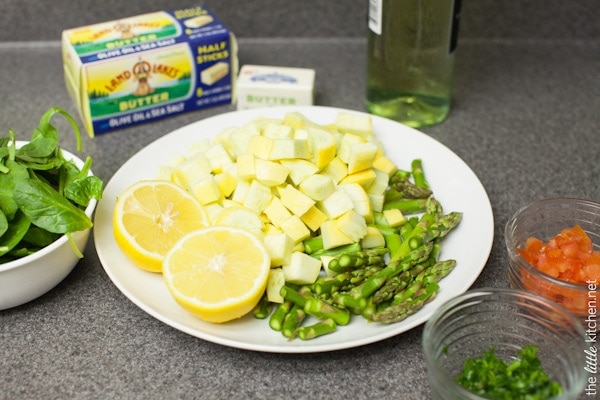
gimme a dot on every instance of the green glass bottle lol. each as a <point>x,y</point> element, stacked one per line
<point>410,59</point>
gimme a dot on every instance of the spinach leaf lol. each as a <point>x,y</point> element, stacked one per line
<point>16,173</point>
<point>81,191</point>
<point>3,223</point>
<point>39,237</point>
<point>15,232</point>
<point>46,208</point>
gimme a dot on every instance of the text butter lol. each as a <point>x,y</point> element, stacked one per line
<point>144,68</point>
<point>266,86</point>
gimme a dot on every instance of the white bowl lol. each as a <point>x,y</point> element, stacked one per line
<point>29,277</point>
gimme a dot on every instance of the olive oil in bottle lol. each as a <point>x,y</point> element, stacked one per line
<point>410,59</point>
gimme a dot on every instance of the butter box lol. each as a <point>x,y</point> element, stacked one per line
<point>147,67</point>
<point>266,86</point>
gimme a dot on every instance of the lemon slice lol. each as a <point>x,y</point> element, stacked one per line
<point>217,273</point>
<point>150,217</point>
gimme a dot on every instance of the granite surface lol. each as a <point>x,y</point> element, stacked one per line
<point>525,119</point>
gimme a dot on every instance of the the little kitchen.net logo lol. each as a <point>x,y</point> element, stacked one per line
<point>591,351</point>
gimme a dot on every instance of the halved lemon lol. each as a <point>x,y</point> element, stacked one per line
<point>150,217</point>
<point>217,273</point>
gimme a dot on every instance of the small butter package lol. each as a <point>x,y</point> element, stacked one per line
<point>266,86</point>
<point>143,68</point>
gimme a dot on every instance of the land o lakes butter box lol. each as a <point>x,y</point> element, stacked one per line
<point>147,67</point>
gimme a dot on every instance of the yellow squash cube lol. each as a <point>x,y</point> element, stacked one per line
<point>332,236</point>
<point>356,124</point>
<point>299,169</point>
<point>206,190</point>
<point>318,187</point>
<point>258,196</point>
<point>295,201</point>
<point>295,229</point>
<point>280,247</point>
<point>313,218</point>
<point>270,173</point>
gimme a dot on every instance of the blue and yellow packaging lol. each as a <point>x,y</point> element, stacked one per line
<point>147,67</point>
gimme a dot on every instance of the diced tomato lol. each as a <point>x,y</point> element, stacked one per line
<point>568,256</point>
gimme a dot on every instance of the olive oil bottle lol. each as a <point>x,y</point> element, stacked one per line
<point>410,60</point>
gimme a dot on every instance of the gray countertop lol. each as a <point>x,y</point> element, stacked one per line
<point>525,118</point>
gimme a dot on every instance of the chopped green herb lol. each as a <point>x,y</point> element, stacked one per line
<point>42,195</point>
<point>521,378</point>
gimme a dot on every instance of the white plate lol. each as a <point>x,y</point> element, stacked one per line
<point>453,183</point>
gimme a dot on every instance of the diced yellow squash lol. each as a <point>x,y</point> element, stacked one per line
<point>241,217</point>
<point>301,134</point>
<point>260,146</point>
<point>279,246</point>
<point>394,217</point>
<point>364,178</point>
<point>360,200</point>
<point>322,146</point>
<point>299,247</point>
<point>230,203</point>
<point>344,147</point>
<point>240,191</point>
<point>352,225</point>
<point>212,210</point>
<point>295,229</point>
<point>302,269</point>
<point>276,212</point>
<point>332,236</point>
<point>313,218</point>
<point>294,200</point>
<point>336,169</point>
<point>239,139</point>
<point>246,166</point>
<point>191,170</point>
<point>226,183</point>
<point>258,196</point>
<point>356,124</point>
<point>223,137</point>
<point>199,147</point>
<point>206,190</point>
<point>165,172</point>
<point>275,282</point>
<point>270,173</point>
<point>336,204</point>
<point>269,228</point>
<point>217,157</point>
<point>377,201</point>
<point>287,148</point>
<point>325,260</point>
<point>361,156</point>
<point>176,160</point>
<point>380,184</point>
<point>299,169</point>
<point>373,238</point>
<point>296,120</point>
<point>384,164</point>
<point>277,130</point>
<point>318,187</point>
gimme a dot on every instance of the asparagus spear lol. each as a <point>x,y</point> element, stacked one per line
<point>263,308</point>
<point>292,321</point>
<point>398,312</point>
<point>320,328</point>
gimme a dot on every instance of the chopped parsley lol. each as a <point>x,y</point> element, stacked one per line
<point>521,378</point>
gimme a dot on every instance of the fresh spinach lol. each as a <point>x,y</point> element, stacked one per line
<point>42,195</point>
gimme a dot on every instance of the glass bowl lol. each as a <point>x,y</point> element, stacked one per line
<point>545,219</point>
<point>507,319</point>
